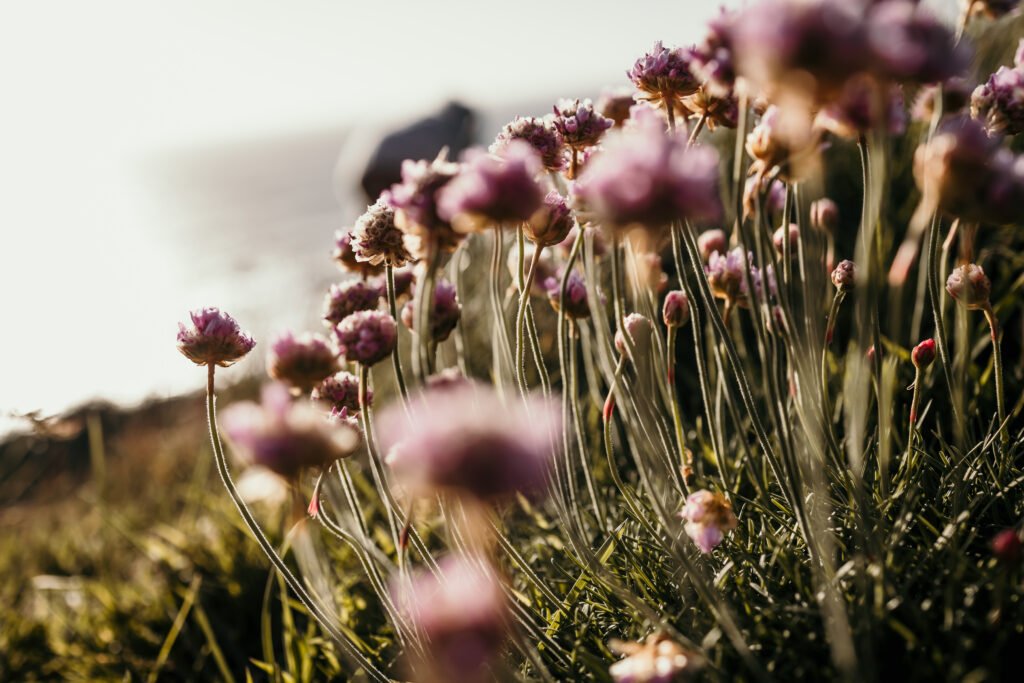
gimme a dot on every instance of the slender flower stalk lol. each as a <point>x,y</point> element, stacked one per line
<point>396,355</point>
<point>922,356</point>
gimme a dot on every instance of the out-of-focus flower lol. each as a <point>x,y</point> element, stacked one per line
<point>366,337</point>
<point>955,93</point>
<point>615,104</point>
<point>467,441</point>
<point>449,378</point>
<point>415,203</point>
<point>405,277</point>
<point>910,44</point>
<point>377,240</point>
<point>966,173</point>
<point>444,315</point>
<point>1006,546</point>
<point>844,277</point>
<point>708,516</point>
<point>492,190</point>
<point>663,75</point>
<point>676,309</point>
<point>993,9</point>
<point>344,299</point>
<point>824,215</point>
<point>779,143</point>
<point>577,302</point>
<point>726,275</point>
<point>999,102</point>
<point>784,232</point>
<point>213,339</point>
<point>301,362</point>
<point>638,328</point>
<point>711,241</point>
<point>712,60</point>
<point>649,178</point>
<point>717,110</point>
<point>969,285</point>
<point>340,392</point>
<point>597,239</point>
<point>551,223</point>
<point>923,354</point>
<point>862,105</point>
<point>580,125</point>
<point>774,199</point>
<point>345,256</point>
<point>540,134</point>
<point>650,271</point>
<point>462,614</point>
<point>658,660</point>
<point>284,436</point>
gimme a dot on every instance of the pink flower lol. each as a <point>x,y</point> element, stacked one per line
<point>923,354</point>
<point>345,299</point>
<point>708,516</point>
<point>366,337</point>
<point>213,339</point>
<point>711,241</point>
<point>676,309</point>
<point>341,392</point>
<point>969,285</point>
<point>444,315</point>
<point>301,362</point>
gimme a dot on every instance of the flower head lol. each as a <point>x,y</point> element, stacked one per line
<point>658,660</point>
<point>345,299</point>
<point>726,274</point>
<point>716,110</point>
<point>465,440</point>
<point>955,94</point>
<point>825,215</point>
<point>711,241</point>
<point>999,102</point>
<point>649,178</point>
<point>345,256</point>
<point>863,105</point>
<point>444,315</point>
<point>663,75</point>
<point>783,233</point>
<point>712,60</point>
<point>366,337</point>
<point>578,123</point>
<point>969,285</point>
<point>923,354</point>
<point>551,223</point>
<point>213,339</point>
<point>377,240</point>
<point>1006,546</point>
<point>637,329</point>
<point>340,392</point>
<point>708,516</point>
<point>577,301</point>
<point>540,134</point>
<point>615,104</point>
<point>909,43</point>
<point>415,203</point>
<point>301,362</point>
<point>676,309</point>
<point>490,190</point>
<point>284,436</point>
<point>779,142</point>
<point>844,277</point>
<point>461,613</point>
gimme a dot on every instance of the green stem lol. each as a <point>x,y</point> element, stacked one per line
<point>396,356</point>
<point>677,413</point>
<point>525,284</point>
<point>830,326</point>
<point>997,363</point>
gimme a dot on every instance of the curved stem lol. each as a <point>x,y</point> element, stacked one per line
<point>830,325</point>
<point>697,129</point>
<point>677,413</point>
<point>396,356</point>
<point>997,366</point>
<point>525,284</point>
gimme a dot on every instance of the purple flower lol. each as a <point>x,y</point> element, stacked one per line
<point>726,275</point>
<point>708,516</point>
<point>711,241</point>
<point>955,92</point>
<point>301,362</point>
<point>462,614</point>
<point>577,301</point>
<point>646,177</point>
<point>676,309</point>
<point>969,285</point>
<point>540,134</point>
<point>366,337</point>
<point>784,232</point>
<point>213,339</point>
<point>491,190</point>
<point>444,315</point>
<point>415,203</point>
<point>377,240</point>
<point>663,74</point>
<point>658,660</point>
<point>405,278</point>
<point>863,105</point>
<point>824,215</point>
<point>773,201</point>
<point>341,392</point>
<point>578,123</point>
<point>615,104</point>
<point>286,437</point>
<point>551,223</point>
<point>345,299</point>
<point>466,440</point>
<point>712,60</point>
<point>999,103</point>
<point>345,256</point>
<point>844,277</point>
<point>908,43</point>
<point>1006,546</point>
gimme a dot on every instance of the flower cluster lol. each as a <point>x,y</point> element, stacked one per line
<point>540,134</point>
<point>345,299</point>
<point>444,314</point>
<point>366,337</point>
<point>301,362</point>
<point>214,338</point>
<point>415,203</point>
<point>579,123</point>
<point>708,516</point>
<point>663,75</point>
<point>341,393</point>
<point>999,102</point>
<point>377,240</point>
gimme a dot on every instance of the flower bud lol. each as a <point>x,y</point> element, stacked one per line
<point>824,215</point>
<point>969,285</point>
<point>676,310</point>
<point>711,241</point>
<point>213,339</point>
<point>923,354</point>
<point>579,124</point>
<point>551,223</point>
<point>780,235</point>
<point>377,240</point>
<point>639,330</point>
<point>708,516</point>
<point>1006,546</point>
<point>301,362</point>
<point>845,276</point>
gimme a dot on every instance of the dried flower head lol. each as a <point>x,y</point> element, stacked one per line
<point>301,362</point>
<point>658,660</point>
<point>340,392</point>
<point>285,436</point>
<point>708,516</point>
<point>711,241</point>
<point>923,354</point>
<point>999,102</point>
<point>969,285</point>
<point>676,309</point>
<point>663,75</point>
<point>577,301</point>
<point>615,104</point>
<point>377,240</point>
<point>366,337</point>
<point>344,299</point>
<point>467,441</point>
<point>540,134</point>
<point>345,256</point>
<point>551,223</point>
<point>444,315</point>
<point>491,190</point>
<point>844,277</point>
<point>461,613</point>
<point>213,339</point>
<point>716,110</point>
<point>415,203</point>
<point>825,215</point>
<point>579,124</point>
